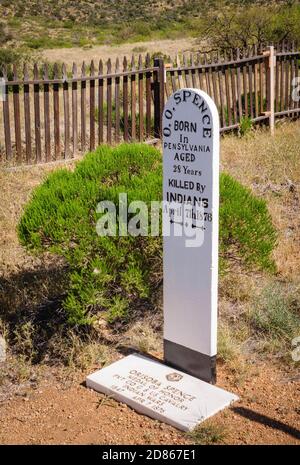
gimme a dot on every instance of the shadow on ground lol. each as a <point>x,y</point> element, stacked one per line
<point>31,310</point>
<point>266,421</point>
<point>35,322</point>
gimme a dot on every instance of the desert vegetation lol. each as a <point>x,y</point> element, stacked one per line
<point>216,24</point>
<point>110,276</point>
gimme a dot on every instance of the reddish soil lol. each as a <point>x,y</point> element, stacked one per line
<point>56,413</point>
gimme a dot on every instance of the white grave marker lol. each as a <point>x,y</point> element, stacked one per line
<point>160,392</point>
<point>191,180</point>
<point>191,195</point>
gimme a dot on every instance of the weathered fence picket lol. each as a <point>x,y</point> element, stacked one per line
<point>66,113</point>
<point>109,103</point>
<point>27,118</point>
<point>92,107</point>
<point>74,110</point>
<point>56,118</point>
<point>6,120</point>
<point>16,98</point>
<point>100,105</point>
<point>47,129</point>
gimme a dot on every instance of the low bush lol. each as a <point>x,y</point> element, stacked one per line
<point>207,434</point>
<point>110,277</point>
<point>275,317</point>
<point>245,224</point>
<point>246,126</point>
<point>9,57</point>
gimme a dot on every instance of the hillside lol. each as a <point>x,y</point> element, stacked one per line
<point>77,23</point>
<point>99,11</point>
<point>70,23</point>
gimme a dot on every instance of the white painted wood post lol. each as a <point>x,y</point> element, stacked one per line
<point>270,54</point>
<point>272,65</point>
<point>191,136</point>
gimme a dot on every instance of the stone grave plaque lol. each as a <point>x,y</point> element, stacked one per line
<point>159,391</point>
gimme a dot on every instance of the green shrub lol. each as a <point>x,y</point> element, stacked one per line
<point>245,224</point>
<point>9,57</point>
<point>111,276</point>
<point>246,125</point>
<point>40,42</point>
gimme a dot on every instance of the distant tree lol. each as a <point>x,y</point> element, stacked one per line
<point>249,25</point>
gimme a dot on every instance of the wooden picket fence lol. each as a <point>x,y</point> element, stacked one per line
<point>54,113</point>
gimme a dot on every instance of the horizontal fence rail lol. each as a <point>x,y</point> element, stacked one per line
<point>52,113</point>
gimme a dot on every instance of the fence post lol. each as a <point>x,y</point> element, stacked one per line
<point>6,117</point>
<point>159,95</point>
<point>271,57</point>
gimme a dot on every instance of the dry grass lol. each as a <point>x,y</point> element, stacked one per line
<point>208,433</point>
<point>16,188</point>
<point>78,54</point>
<point>229,348</point>
<point>274,318</point>
<point>261,159</point>
<point>271,168</point>
<point>143,338</point>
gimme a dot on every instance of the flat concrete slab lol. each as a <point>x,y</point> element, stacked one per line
<point>162,393</point>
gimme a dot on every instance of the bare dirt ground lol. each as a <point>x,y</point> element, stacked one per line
<point>58,413</point>
<point>78,55</point>
<point>49,403</point>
